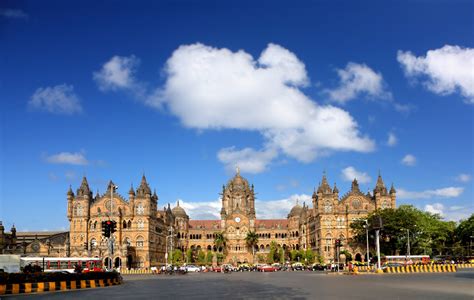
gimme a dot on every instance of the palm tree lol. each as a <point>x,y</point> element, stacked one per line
<point>252,240</point>
<point>220,241</point>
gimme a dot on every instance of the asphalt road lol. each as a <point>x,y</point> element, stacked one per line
<point>281,285</point>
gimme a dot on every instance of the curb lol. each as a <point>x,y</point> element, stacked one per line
<point>40,287</point>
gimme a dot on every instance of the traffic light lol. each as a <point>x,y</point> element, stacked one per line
<point>106,226</point>
<point>113,227</point>
<point>338,243</point>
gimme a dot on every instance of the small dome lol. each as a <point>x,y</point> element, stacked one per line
<point>178,211</point>
<point>296,211</point>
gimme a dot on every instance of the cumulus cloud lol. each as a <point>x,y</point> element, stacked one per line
<point>13,13</point>
<point>443,71</point>
<point>349,173</point>
<point>210,88</point>
<point>464,177</point>
<point>409,160</point>
<point>435,208</point>
<point>392,139</point>
<point>248,160</point>
<point>59,99</point>
<point>117,73</point>
<point>447,192</point>
<point>77,158</point>
<point>358,79</point>
<point>265,209</point>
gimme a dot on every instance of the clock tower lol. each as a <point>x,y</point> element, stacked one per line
<point>237,216</point>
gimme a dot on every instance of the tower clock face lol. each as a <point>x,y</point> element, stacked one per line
<point>237,219</point>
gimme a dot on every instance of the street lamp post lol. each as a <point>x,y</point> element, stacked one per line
<point>111,208</point>
<point>367,236</point>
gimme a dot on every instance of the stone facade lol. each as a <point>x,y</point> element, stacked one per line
<point>140,239</point>
<point>144,232</point>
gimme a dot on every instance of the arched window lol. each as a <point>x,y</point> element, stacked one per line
<point>127,241</point>
<point>140,224</point>
<point>129,224</point>
<point>328,207</point>
<point>327,246</point>
<point>93,243</point>
<point>124,224</point>
<point>140,242</point>
<point>79,210</point>
<point>385,204</point>
<point>140,209</point>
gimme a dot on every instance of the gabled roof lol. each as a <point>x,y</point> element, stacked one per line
<point>271,223</point>
<point>204,224</point>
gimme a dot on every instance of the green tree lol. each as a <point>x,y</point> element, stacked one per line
<point>221,241</point>
<point>201,257</point>
<point>429,234</point>
<point>189,256</point>
<point>464,233</point>
<point>308,256</point>
<point>274,254</point>
<point>177,257</point>
<point>209,256</point>
<point>252,240</point>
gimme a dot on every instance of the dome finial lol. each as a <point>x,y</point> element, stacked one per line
<point>237,170</point>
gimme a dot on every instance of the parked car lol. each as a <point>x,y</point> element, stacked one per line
<point>318,267</point>
<point>297,267</point>
<point>193,268</point>
<point>217,269</point>
<point>267,268</point>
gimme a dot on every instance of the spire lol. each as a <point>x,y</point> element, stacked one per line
<point>237,171</point>
<point>355,186</point>
<point>335,190</point>
<point>84,189</point>
<point>70,192</point>
<point>177,203</point>
<point>144,188</point>
<point>155,196</point>
<point>131,191</point>
<point>97,195</point>
<point>324,186</point>
<point>392,189</point>
<point>380,186</point>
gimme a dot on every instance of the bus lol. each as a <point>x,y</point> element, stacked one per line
<point>406,259</point>
<point>68,264</point>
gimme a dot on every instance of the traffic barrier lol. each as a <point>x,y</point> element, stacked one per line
<point>39,287</point>
<point>422,269</point>
<point>135,271</point>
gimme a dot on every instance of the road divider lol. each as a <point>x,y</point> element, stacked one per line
<point>40,287</point>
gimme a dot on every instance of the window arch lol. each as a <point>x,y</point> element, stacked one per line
<point>140,242</point>
<point>127,241</point>
<point>140,209</point>
<point>93,243</point>
<point>129,224</point>
<point>328,206</point>
<point>78,211</point>
<point>328,244</point>
<point>140,224</point>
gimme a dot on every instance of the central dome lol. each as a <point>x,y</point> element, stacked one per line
<point>296,210</point>
<point>178,211</point>
<point>238,181</point>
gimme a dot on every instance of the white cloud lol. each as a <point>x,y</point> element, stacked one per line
<point>13,13</point>
<point>248,160</point>
<point>464,177</point>
<point>409,160</point>
<point>392,139</point>
<point>448,192</point>
<point>77,158</point>
<point>443,71</point>
<point>210,88</point>
<point>349,173</point>
<point>435,208</point>
<point>118,73</point>
<point>265,209</point>
<point>357,79</point>
<point>59,99</point>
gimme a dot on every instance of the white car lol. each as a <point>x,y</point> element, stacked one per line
<point>193,268</point>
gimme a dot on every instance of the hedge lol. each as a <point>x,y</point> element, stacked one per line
<point>9,278</point>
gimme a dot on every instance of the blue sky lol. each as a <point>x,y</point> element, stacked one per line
<point>184,91</point>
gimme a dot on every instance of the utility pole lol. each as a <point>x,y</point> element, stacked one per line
<point>367,235</point>
<point>377,238</point>
<point>111,208</point>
